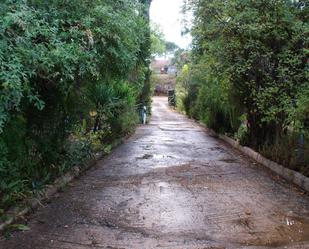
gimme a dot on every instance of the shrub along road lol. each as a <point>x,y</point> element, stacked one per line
<point>171,185</point>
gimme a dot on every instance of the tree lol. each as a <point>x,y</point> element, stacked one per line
<point>158,43</point>
<point>170,47</point>
<point>58,59</point>
<point>250,60</point>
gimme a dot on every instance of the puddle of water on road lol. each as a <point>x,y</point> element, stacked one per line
<point>173,128</point>
<point>145,157</point>
<point>155,156</point>
<point>172,209</point>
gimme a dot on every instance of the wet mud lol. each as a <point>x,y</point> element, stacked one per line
<point>171,185</point>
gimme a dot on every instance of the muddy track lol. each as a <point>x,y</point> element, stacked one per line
<point>171,185</point>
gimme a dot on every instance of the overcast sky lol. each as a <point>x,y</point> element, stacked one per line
<point>167,14</point>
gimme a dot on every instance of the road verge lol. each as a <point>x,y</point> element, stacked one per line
<point>288,174</point>
<point>16,213</point>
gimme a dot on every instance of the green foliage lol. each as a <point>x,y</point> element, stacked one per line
<point>159,45</point>
<point>61,62</point>
<point>289,151</point>
<point>157,40</point>
<point>250,59</point>
<point>183,88</point>
<point>180,58</point>
<point>171,47</point>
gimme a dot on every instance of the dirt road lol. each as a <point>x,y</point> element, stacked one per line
<point>171,185</point>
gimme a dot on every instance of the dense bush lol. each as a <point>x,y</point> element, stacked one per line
<point>248,74</point>
<point>71,76</point>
